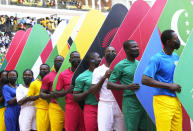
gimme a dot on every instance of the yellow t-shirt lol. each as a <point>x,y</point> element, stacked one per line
<point>49,26</point>
<point>47,22</point>
<point>43,22</point>
<point>34,90</point>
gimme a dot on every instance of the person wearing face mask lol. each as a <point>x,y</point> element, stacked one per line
<point>42,117</point>
<point>3,81</point>
<point>73,113</point>
<point>82,92</point>
<point>27,117</point>
<point>159,74</point>
<point>109,116</point>
<point>12,110</point>
<point>135,116</point>
<point>56,114</point>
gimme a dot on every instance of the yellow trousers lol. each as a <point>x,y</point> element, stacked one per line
<point>56,115</point>
<point>42,119</point>
<point>2,119</point>
<point>168,113</point>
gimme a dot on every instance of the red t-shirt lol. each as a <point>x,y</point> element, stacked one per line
<point>64,81</point>
<point>47,83</point>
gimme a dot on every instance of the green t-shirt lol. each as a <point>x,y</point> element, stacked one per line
<point>83,83</point>
<point>124,72</point>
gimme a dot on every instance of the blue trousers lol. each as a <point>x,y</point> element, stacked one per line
<point>12,117</point>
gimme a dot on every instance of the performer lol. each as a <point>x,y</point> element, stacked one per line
<point>42,117</point>
<point>12,108</point>
<point>134,114</point>
<point>81,92</point>
<point>159,74</point>
<point>3,81</point>
<point>73,113</point>
<point>56,114</point>
<point>27,117</point>
<point>110,116</point>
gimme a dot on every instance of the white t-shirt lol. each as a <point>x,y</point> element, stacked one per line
<point>3,38</point>
<point>3,49</point>
<point>33,22</point>
<point>105,94</point>
<point>28,21</point>
<point>21,92</point>
<point>6,39</point>
<point>12,22</point>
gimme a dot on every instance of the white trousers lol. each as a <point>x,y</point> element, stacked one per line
<point>27,118</point>
<point>110,117</point>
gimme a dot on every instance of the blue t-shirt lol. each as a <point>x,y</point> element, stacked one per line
<point>8,93</point>
<point>161,68</point>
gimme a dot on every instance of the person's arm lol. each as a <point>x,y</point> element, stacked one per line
<point>33,98</point>
<point>146,80</point>
<point>116,86</point>
<point>22,101</point>
<point>45,91</point>
<point>95,88</point>
<point>60,92</point>
<point>7,95</point>
<point>1,99</point>
<point>33,92</point>
<point>63,93</point>
<point>150,72</point>
<point>12,101</point>
<point>79,94</point>
<point>115,77</point>
<point>45,94</point>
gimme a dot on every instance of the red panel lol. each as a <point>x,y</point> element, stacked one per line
<point>46,52</point>
<point>17,51</point>
<point>15,42</point>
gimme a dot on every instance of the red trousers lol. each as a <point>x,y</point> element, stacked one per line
<point>74,120</point>
<point>90,117</point>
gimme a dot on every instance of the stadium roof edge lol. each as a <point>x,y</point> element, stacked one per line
<point>24,11</point>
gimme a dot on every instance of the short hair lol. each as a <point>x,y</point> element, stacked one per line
<point>3,72</point>
<point>2,84</point>
<point>90,56</point>
<point>13,71</point>
<point>58,56</point>
<point>127,43</point>
<point>73,52</point>
<point>29,71</point>
<point>45,65</point>
<point>166,35</point>
<point>109,47</point>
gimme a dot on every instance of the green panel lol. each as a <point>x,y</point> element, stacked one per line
<point>184,76</point>
<point>184,19</point>
<point>36,42</point>
<point>50,59</point>
<point>4,64</point>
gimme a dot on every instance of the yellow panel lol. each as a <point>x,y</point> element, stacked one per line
<point>62,45</point>
<point>88,31</point>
